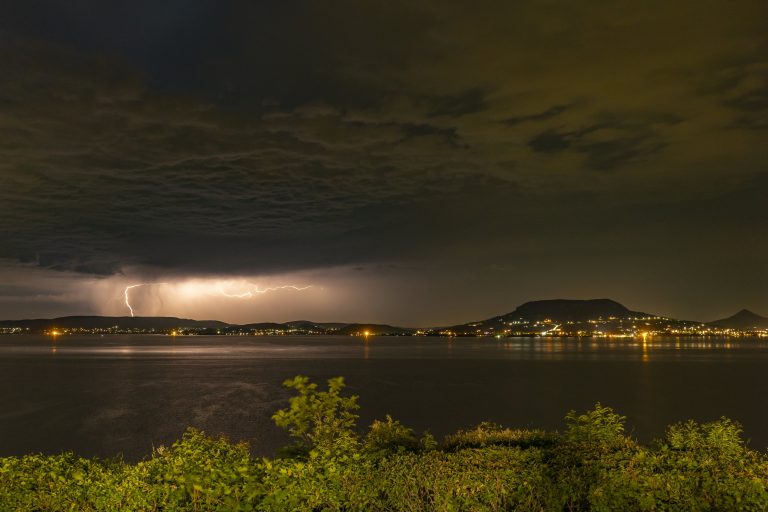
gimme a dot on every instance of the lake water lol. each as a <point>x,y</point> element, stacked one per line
<point>125,394</point>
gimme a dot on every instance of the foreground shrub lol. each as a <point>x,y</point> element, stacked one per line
<point>390,436</point>
<point>494,478</point>
<point>491,434</point>
<point>696,467</point>
<point>67,482</point>
<point>591,450</point>
<point>320,420</point>
<point>203,473</point>
<point>346,482</point>
<point>592,465</point>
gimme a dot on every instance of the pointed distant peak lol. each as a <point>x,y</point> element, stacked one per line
<point>744,319</point>
<point>747,314</point>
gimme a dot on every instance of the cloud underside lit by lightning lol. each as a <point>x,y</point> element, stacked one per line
<point>217,290</point>
<point>259,291</point>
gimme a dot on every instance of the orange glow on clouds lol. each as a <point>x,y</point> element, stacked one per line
<point>196,289</point>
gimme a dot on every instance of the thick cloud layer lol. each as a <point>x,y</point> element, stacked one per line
<point>502,151</point>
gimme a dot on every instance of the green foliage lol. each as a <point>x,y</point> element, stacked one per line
<point>720,439</point>
<point>427,441</point>
<point>326,469</point>
<point>591,466</point>
<point>67,482</point>
<point>491,434</point>
<point>696,467</point>
<point>201,472</point>
<point>600,425</point>
<point>488,479</point>
<point>390,436</point>
<point>592,448</point>
<point>319,483</point>
<point>320,420</point>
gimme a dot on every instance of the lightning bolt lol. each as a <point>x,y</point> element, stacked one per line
<point>130,287</point>
<point>256,290</point>
<point>248,294</point>
<point>245,295</point>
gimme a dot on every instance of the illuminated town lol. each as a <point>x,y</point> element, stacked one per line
<point>611,327</point>
<point>498,327</point>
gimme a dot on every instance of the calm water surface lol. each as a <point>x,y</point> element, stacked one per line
<point>125,394</point>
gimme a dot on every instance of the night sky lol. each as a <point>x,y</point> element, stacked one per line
<point>413,162</point>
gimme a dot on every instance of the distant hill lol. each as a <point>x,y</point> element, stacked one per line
<point>263,326</point>
<point>105,322</point>
<point>744,320</point>
<point>168,323</point>
<point>557,310</point>
<point>564,310</point>
<point>563,316</point>
<point>308,324</point>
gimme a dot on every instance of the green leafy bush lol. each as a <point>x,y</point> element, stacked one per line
<point>696,467</point>
<point>591,466</point>
<point>600,426</point>
<point>390,436</point>
<point>67,482</point>
<point>491,434</point>
<point>490,479</point>
<point>592,448</point>
<point>201,472</point>
<point>320,420</point>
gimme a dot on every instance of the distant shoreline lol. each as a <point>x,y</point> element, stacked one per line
<point>745,334</point>
<point>601,318</point>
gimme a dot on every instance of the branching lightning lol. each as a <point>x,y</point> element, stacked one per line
<point>258,291</point>
<point>218,290</point>
<point>130,287</point>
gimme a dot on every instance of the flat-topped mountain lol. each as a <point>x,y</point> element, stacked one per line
<point>556,310</point>
<point>565,310</point>
<point>743,320</point>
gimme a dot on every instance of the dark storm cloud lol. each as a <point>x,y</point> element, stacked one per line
<point>136,180</point>
<point>467,102</point>
<point>749,96</point>
<point>610,143</point>
<point>254,137</point>
<point>551,142</point>
<point>551,112</point>
<point>449,135</point>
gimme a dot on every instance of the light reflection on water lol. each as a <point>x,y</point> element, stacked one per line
<point>111,394</point>
<point>374,347</point>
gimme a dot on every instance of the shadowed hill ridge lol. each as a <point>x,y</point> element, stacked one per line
<point>744,319</point>
<point>105,322</point>
<point>571,310</point>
